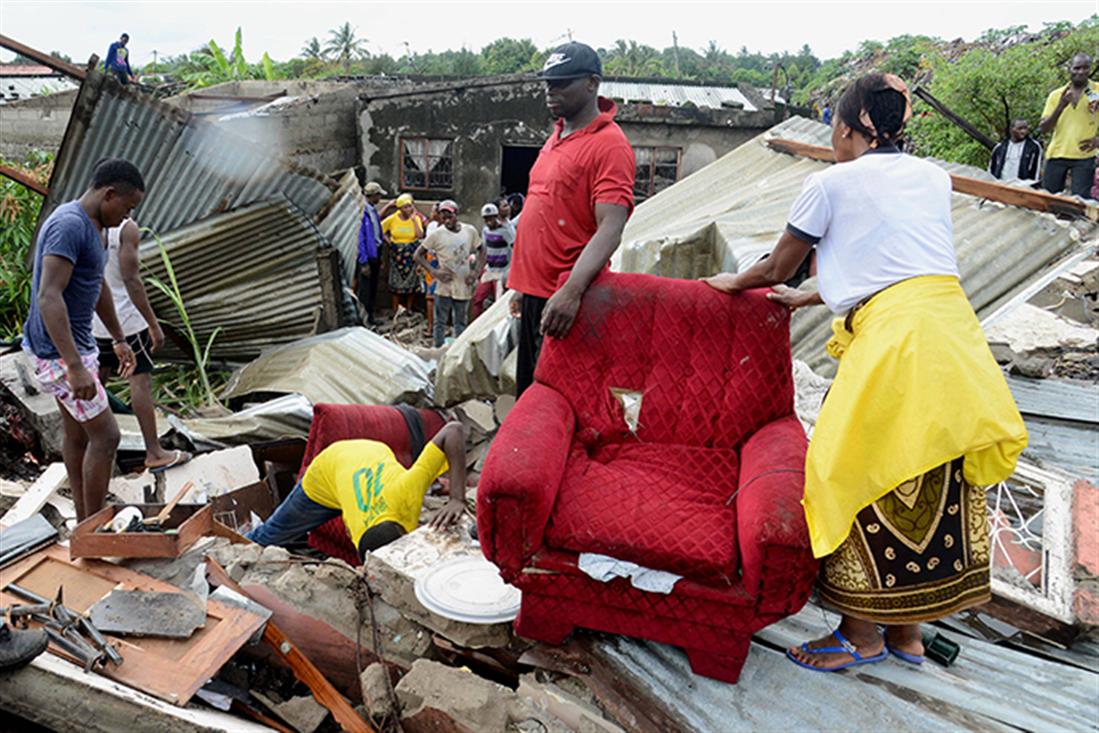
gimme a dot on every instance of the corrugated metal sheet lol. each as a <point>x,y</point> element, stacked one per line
<point>676,95</point>
<point>989,688</point>
<point>13,88</point>
<point>251,272</point>
<point>348,366</point>
<point>340,222</point>
<point>193,168</point>
<point>732,212</point>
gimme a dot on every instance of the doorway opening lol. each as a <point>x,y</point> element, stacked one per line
<point>515,168</point>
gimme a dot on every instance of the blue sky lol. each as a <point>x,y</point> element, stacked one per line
<point>281,28</point>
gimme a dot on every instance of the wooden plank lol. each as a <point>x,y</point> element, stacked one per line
<point>954,117</point>
<point>20,177</point>
<point>37,495</point>
<point>1002,193</point>
<point>170,669</point>
<point>303,669</point>
<point>45,59</point>
<point>60,695</point>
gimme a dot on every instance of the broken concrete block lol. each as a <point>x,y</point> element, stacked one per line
<point>304,714</point>
<point>376,692</point>
<point>553,701</point>
<point>135,488</point>
<point>326,591</point>
<point>478,416</point>
<point>213,474</point>
<point>40,408</point>
<point>503,406</point>
<point>1032,366</point>
<point>394,569</point>
<point>465,698</point>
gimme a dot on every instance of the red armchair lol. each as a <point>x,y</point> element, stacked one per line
<point>358,422</point>
<point>709,485</point>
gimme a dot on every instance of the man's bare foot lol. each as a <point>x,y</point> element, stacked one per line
<point>861,637</point>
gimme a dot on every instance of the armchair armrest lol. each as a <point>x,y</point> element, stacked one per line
<point>777,563</point>
<point>522,474</point>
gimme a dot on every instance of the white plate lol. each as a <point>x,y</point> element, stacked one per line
<point>468,589</point>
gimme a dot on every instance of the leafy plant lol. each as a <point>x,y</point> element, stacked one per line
<point>19,207</point>
<point>344,46</point>
<point>171,291</point>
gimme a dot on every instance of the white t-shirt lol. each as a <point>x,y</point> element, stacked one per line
<point>129,317</point>
<point>879,219</point>
<point>454,251</point>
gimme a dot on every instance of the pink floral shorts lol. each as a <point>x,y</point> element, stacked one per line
<point>51,375</point>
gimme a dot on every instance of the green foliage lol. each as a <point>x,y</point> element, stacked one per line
<point>990,89</point>
<point>344,46</point>
<point>170,290</point>
<point>19,208</point>
<point>509,56</point>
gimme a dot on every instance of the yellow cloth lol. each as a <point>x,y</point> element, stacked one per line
<point>366,483</point>
<point>1076,123</point>
<point>402,231</point>
<point>917,386</point>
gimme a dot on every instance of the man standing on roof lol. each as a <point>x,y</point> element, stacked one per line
<point>66,289</point>
<point>118,60</point>
<point>578,201</point>
<point>1072,112</point>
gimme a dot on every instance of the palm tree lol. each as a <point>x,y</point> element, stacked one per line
<point>312,50</point>
<point>344,46</point>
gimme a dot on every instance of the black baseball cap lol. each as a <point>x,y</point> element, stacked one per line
<point>572,61</point>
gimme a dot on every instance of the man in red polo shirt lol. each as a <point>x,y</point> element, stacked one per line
<point>580,195</point>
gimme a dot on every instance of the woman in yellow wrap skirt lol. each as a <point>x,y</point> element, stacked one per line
<point>919,418</point>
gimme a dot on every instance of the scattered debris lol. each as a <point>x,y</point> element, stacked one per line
<point>148,613</point>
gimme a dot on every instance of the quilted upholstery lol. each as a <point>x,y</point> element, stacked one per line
<point>667,507</point>
<point>708,484</point>
<point>350,422</point>
<point>712,368</point>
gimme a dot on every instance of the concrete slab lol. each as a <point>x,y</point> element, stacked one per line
<point>213,474</point>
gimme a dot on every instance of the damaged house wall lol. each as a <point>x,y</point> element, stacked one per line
<point>37,123</point>
<point>483,116</point>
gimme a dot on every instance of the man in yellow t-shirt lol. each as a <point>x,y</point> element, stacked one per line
<point>379,500</point>
<point>1072,112</point>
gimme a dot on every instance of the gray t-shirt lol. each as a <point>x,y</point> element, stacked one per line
<point>68,233</point>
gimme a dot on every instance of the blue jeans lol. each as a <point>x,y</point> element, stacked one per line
<point>445,307</point>
<point>294,517</point>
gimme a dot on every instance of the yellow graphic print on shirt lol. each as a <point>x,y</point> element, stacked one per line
<point>366,483</point>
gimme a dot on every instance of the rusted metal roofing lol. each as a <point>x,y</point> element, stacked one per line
<point>340,220</point>
<point>193,169</point>
<point>251,272</point>
<point>676,95</point>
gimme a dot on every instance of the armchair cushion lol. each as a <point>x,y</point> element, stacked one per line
<point>666,507</point>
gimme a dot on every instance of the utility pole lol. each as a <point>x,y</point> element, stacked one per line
<point>156,68</point>
<point>675,49</point>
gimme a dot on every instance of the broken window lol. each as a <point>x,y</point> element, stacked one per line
<point>657,168</point>
<point>427,164</point>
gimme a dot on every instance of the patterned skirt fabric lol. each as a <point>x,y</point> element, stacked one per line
<point>403,275</point>
<point>919,553</point>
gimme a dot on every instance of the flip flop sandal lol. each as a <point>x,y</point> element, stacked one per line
<point>845,647</point>
<point>916,659</point>
<point>179,457</point>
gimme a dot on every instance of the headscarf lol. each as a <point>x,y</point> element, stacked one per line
<point>894,82</point>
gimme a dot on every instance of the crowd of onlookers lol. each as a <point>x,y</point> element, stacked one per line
<point>457,269</point>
